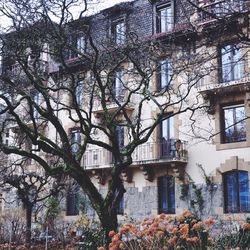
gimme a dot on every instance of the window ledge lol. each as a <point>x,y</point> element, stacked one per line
<point>233,145</point>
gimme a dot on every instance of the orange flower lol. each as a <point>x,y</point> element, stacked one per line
<point>111,233</point>
<point>162,216</point>
<point>196,226</point>
<point>209,221</point>
<point>160,233</point>
<point>193,221</point>
<point>173,240</point>
<point>173,230</point>
<point>116,237</point>
<point>187,214</point>
<point>180,218</point>
<point>184,230</point>
<point>193,240</point>
<point>122,246</point>
<point>101,248</point>
<point>246,226</point>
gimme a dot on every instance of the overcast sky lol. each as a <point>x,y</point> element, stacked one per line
<point>94,6</point>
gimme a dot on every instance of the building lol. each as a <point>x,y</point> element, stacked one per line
<point>197,64</point>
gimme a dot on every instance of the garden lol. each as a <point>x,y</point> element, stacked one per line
<point>161,232</point>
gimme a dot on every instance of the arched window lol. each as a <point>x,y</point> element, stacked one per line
<point>236,192</point>
<point>166,194</point>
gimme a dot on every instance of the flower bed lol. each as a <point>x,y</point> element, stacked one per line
<point>179,232</point>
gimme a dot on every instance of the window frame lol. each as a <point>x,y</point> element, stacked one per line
<point>167,147</point>
<point>118,38</point>
<point>170,209</point>
<point>236,67</point>
<point>120,207</point>
<point>80,44</point>
<point>37,100</point>
<point>236,190</point>
<point>72,200</point>
<point>158,9</point>
<point>79,92</point>
<point>75,144</point>
<point>120,136</point>
<point>164,67</point>
<point>118,78</point>
<point>233,107</point>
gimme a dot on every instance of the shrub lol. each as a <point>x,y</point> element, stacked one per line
<point>163,232</point>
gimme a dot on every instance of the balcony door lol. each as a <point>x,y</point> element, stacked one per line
<point>167,137</point>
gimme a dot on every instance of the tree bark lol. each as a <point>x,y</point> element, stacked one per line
<point>28,211</point>
<point>109,223</point>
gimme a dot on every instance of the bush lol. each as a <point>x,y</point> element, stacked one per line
<point>182,232</point>
<point>163,232</point>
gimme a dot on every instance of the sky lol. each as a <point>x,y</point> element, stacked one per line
<point>94,6</point>
<point>98,5</point>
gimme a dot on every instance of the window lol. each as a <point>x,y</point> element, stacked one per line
<point>167,143</point>
<point>120,208</point>
<point>75,141</point>
<point>72,200</point>
<point>118,89</point>
<point>80,44</point>
<point>232,63</point>
<point>236,192</point>
<point>119,130</point>
<point>166,194</point>
<point>233,124</point>
<point>118,31</point>
<point>36,98</point>
<point>79,92</point>
<point>165,74</point>
<point>164,18</point>
<point>77,44</point>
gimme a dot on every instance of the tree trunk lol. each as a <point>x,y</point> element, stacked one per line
<point>28,223</point>
<point>108,223</point>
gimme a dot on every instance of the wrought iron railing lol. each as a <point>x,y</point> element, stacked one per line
<point>228,74</point>
<point>16,71</point>
<point>215,9</point>
<point>170,150</point>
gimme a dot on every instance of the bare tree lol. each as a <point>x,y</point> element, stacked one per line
<point>32,189</point>
<point>43,94</point>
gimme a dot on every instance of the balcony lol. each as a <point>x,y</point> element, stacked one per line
<point>112,106</point>
<point>150,153</point>
<point>216,9</point>
<point>233,78</point>
<point>16,72</point>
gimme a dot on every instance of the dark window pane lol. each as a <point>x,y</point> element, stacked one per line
<point>79,92</point>
<point>72,200</point>
<point>165,74</point>
<point>231,192</point>
<point>120,136</point>
<point>167,137</point>
<point>243,191</point>
<point>120,209</point>
<point>166,194</point>
<point>75,141</point>
<point>236,192</point>
<point>118,89</point>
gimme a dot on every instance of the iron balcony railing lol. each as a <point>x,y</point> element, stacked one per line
<point>229,74</point>
<point>166,151</point>
<point>215,9</point>
<point>16,71</point>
